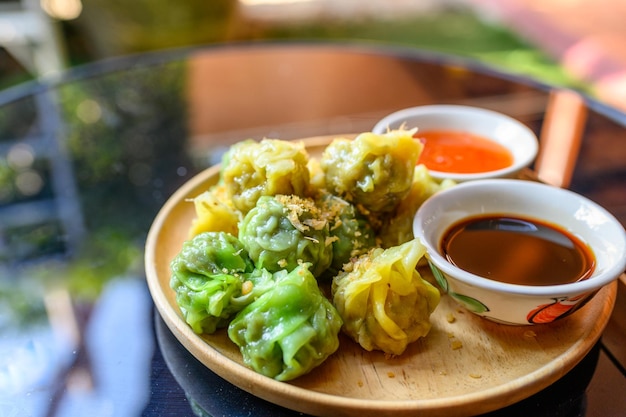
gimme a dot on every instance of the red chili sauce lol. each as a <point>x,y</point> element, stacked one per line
<point>461,152</point>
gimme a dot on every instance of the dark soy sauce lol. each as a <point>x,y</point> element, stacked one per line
<point>517,250</point>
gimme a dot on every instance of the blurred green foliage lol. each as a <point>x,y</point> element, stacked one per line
<point>454,31</point>
<point>123,136</point>
<point>117,27</point>
<point>110,253</point>
<point>12,72</point>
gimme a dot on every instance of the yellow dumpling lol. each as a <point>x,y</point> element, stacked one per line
<point>374,171</point>
<point>384,302</point>
<point>214,213</point>
<point>398,228</point>
<point>270,167</point>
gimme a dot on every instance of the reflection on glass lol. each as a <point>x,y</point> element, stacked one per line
<point>82,175</point>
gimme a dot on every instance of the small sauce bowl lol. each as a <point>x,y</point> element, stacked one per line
<point>515,303</point>
<point>520,141</point>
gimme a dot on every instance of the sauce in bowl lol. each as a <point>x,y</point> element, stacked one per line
<point>462,152</point>
<point>517,250</point>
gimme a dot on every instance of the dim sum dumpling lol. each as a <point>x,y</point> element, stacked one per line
<point>284,231</point>
<point>398,228</point>
<point>214,213</point>
<point>350,231</point>
<point>373,170</point>
<point>290,329</point>
<point>384,302</point>
<point>253,169</point>
<point>207,276</point>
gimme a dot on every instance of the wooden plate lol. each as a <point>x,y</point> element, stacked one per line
<point>465,363</point>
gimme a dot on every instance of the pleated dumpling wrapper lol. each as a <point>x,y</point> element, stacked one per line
<point>384,302</point>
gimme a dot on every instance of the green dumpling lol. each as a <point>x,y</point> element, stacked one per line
<point>374,171</point>
<point>253,169</point>
<point>207,277</point>
<point>282,232</point>
<point>350,231</point>
<point>290,329</point>
<point>384,302</point>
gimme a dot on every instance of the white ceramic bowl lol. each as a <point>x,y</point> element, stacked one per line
<point>511,303</point>
<point>505,130</point>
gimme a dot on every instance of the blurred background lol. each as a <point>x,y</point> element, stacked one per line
<point>574,43</point>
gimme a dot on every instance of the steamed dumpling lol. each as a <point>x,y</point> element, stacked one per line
<point>290,329</point>
<point>284,231</point>
<point>214,213</point>
<point>253,169</point>
<point>374,171</point>
<point>384,302</point>
<point>350,231</point>
<point>207,277</point>
<point>398,228</point>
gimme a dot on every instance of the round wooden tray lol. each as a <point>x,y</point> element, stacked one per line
<point>465,362</point>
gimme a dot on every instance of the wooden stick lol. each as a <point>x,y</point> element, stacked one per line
<point>560,138</point>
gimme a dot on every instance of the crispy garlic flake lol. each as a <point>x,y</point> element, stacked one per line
<point>297,206</point>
